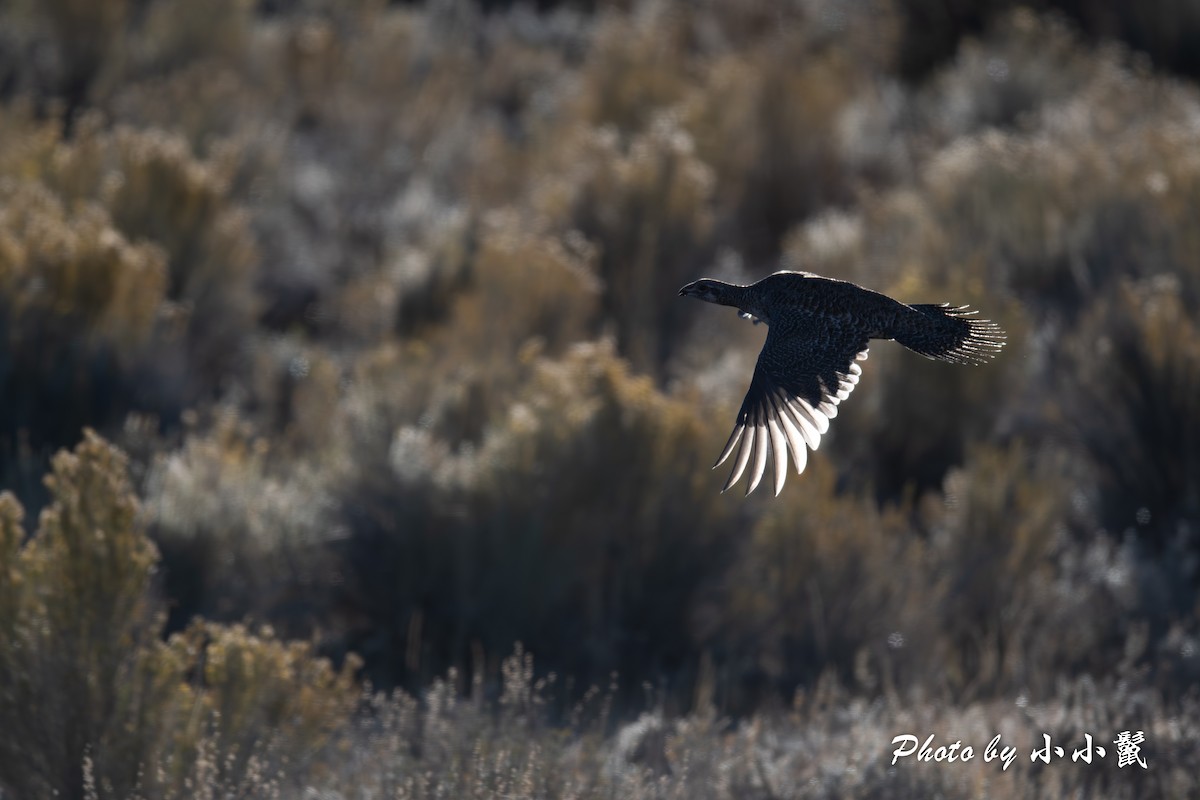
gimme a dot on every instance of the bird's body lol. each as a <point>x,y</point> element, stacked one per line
<point>819,328</point>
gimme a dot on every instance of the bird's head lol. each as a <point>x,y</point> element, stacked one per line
<point>709,290</point>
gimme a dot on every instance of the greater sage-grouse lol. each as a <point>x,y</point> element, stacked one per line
<point>818,329</point>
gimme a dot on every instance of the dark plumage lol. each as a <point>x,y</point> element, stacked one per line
<point>819,330</point>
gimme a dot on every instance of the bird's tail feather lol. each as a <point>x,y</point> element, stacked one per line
<point>949,333</point>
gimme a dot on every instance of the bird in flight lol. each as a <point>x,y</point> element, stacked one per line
<point>819,329</point>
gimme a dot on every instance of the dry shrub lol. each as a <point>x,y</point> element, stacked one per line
<point>446,209</point>
<point>1013,554</point>
<point>1093,195</point>
<point>170,198</point>
<point>624,562</point>
<point>916,418</point>
<point>820,583</point>
<point>647,209</point>
<point>79,304</point>
<point>1055,222</point>
<point>89,52</point>
<point>206,103</point>
<point>153,189</point>
<point>829,743</point>
<point>912,419</point>
<point>1026,64</point>
<point>95,704</point>
<point>241,528</point>
<point>712,142</point>
<point>127,276</point>
<point>637,66</point>
<point>77,613</point>
<point>350,91</point>
<point>964,586</point>
<point>251,684</point>
<point>176,33</point>
<point>521,292</point>
<point>1131,399</point>
<point>63,271</point>
<point>1084,192</point>
<point>85,36</point>
<point>1028,227</point>
<point>511,539</point>
<point>1129,392</point>
<point>523,287</point>
<point>768,124</point>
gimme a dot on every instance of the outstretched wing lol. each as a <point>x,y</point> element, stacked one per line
<point>806,368</point>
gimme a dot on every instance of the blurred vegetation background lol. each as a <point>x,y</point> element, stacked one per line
<point>347,336</point>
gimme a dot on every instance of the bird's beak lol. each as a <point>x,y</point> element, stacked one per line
<point>688,290</point>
